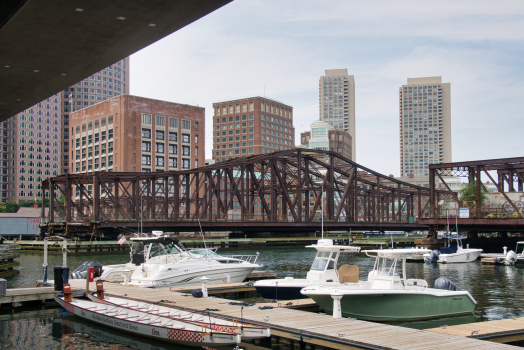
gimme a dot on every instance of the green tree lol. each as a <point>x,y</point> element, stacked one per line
<point>469,193</point>
<point>11,207</point>
<point>2,207</point>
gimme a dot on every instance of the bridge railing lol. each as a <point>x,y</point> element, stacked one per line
<point>481,213</point>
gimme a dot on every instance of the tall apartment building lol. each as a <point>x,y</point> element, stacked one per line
<point>425,125</point>
<point>110,82</point>
<point>251,126</point>
<point>34,149</point>
<point>324,137</point>
<point>336,99</point>
<point>130,134</point>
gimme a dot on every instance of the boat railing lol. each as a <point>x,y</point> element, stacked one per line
<point>247,258</point>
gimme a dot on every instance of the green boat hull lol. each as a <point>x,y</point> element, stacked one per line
<point>398,307</point>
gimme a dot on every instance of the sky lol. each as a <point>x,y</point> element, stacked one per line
<point>280,49</point>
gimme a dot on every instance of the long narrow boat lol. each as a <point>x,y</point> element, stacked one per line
<point>201,319</point>
<point>149,325</point>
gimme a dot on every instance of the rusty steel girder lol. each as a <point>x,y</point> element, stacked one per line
<point>510,178</point>
<point>299,186</point>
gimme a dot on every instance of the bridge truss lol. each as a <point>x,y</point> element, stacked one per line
<point>288,189</point>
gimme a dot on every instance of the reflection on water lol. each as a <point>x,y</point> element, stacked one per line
<point>498,290</point>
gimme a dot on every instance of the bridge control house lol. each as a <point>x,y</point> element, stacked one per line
<point>135,134</point>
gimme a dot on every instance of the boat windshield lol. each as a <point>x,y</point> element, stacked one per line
<point>198,253</point>
<point>319,264</point>
<point>158,249</point>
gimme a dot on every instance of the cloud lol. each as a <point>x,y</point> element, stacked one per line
<point>252,47</point>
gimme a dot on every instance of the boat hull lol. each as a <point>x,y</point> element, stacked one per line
<point>280,293</point>
<point>398,306</point>
<point>467,255</point>
<point>216,276</point>
<point>167,334</point>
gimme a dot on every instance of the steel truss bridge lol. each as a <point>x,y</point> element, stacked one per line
<point>291,191</point>
<point>507,174</point>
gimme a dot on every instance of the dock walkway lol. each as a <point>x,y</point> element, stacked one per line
<point>312,328</point>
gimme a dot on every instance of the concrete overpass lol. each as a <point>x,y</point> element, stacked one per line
<point>49,45</point>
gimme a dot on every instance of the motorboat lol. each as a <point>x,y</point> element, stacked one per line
<point>156,248</point>
<point>453,253</point>
<point>389,296</point>
<point>166,265</point>
<point>513,257</point>
<point>162,261</point>
<point>160,327</point>
<point>201,319</point>
<point>324,270</point>
<point>188,270</point>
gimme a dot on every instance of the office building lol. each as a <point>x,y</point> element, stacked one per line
<point>324,137</point>
<point>336,99</point>
<point>251,126</point>
<point>130,134</point>
<point>425,125</point>
<point>110,82</point>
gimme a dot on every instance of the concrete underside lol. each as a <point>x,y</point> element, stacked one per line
<point>55,38</point>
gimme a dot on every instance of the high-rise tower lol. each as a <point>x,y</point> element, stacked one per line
<point>337,101</point>
<point>425,125</point>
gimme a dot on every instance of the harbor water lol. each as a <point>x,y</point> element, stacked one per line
<point>498,290</point>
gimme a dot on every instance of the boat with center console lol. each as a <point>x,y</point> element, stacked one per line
<point>324,270</point>
<point>388,296</point>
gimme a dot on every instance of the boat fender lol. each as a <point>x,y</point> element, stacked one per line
<point>433,256</point>
<point>444,283</point>
<point>511,257</point>
<point>197,293</point>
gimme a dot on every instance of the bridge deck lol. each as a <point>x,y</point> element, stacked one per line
<point>313,328</point>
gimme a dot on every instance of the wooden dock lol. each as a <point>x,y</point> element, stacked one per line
<point>15,297</point>
<point>500,331</point>
<point>306,328</point>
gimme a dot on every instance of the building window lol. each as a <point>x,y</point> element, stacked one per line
<point>159,161</point>
<point>146,160</point>
<point>173,123</point>
<point>186,124</point>
<point>173,136</point>
<point>251,150</point>
<point>186,150</point>
<point>196,126</point>
<point>185,163</point>
<point>173,149</point>
<point>185,138</point>
<point>159,147</point>
<point>160,120</point>
<point>146,146</point>
<point>172,162</point>
<point>146,118</point>
<point>159,135</point>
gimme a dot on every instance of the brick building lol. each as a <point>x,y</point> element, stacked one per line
<point>251,126</point>
<point>130,133</point>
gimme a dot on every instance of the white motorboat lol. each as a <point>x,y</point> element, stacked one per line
<point>140,323</point>
<point>202,319</point>
<point>453,253</point>
<point>323,271</point>
<point>172,265</point>
<point>390,297</point>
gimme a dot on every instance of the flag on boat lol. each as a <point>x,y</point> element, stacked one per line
<point>122,240</point>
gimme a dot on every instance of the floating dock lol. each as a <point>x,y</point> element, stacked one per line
<point>313,329</point>
<point>16,297</point>
<point>7,260</point>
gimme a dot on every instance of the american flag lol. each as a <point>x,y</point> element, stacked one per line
<point>122,240</point>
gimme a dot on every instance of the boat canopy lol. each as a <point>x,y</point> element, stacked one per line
<point>396,253</point>
<point>326,245</point>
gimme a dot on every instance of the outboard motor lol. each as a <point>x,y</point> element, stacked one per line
<point>81,271</point>
<point>445,283</point>
<point>433,256</point>
<point>510,258</point>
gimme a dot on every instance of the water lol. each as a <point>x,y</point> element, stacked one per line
<point>498,290</point>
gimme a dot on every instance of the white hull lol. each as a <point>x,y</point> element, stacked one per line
<point>158,328</point>
<point>219,275</point>
<point>462,256</point>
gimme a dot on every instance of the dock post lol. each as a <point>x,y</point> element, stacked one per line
<point>100,290</point>
<point>67,293</point>
<point>337,311</point>
<point>204,281</point>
